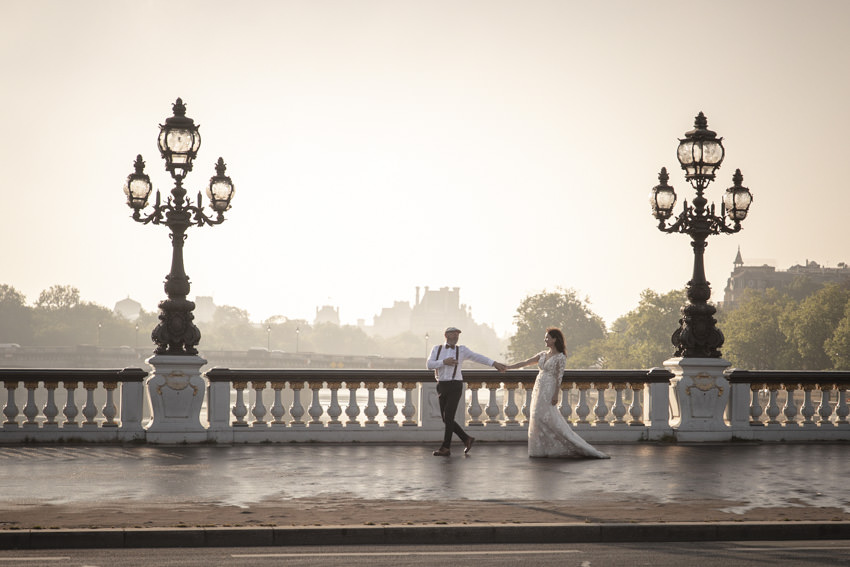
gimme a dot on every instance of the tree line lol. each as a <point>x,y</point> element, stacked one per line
<point>805,327</point>
<point>59,318</point>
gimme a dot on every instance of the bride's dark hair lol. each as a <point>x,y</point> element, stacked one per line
<point>558,336</point>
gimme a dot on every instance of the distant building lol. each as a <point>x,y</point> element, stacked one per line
<point>393,320</point>
<point>433,311</point>
<point>763,277</point>
<point>327,314</point>
<point>128,308</point>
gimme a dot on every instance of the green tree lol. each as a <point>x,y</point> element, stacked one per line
<point>641,338</point>
<point>231,329</point>
<point>403,345</point>
<point>802,287</point>
<point>837,346</point>
<point>346,339</point>
<point>286,333</point>
<point>561,308</point>
<point>73,323</point>
<point>58,297</point>
<point>815,321</point>
<point>754,336</point>
<point>15,316</point>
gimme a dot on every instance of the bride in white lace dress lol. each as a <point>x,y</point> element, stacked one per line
<point>549,434</point>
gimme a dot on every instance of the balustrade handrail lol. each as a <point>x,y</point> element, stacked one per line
<point>339,375</point>
<point>73,374</point>
<point>737,376</point>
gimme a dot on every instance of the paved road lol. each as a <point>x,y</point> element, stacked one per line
<point>210,495</point>
<point>763,475</point>
<point>711,554</point>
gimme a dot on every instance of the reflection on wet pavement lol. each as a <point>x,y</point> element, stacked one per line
<point>746,475</point>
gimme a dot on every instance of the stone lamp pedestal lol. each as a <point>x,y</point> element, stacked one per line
<point>176,390</point>
<point>701,392</point>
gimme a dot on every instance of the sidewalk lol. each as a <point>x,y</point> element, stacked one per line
<point>138,494</point>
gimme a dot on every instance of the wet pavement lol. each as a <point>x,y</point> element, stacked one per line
<point>747,475</point>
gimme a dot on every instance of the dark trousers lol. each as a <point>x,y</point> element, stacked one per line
<point>449,393</point>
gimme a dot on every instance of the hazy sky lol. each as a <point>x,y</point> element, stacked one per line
<point>502,147</point>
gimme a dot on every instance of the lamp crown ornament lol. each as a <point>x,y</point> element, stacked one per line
<point>700,154</point>
<point>178,142</point>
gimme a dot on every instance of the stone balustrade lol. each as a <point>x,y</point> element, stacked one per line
<point>254,405</point>
<point>789,405</point>
<point>108,407</point>
<point>345,405</point>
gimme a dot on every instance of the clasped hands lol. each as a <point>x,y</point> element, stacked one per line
<point>451,361</point>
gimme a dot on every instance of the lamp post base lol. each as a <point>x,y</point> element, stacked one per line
<point>176,390</point>
<point>701,392</point>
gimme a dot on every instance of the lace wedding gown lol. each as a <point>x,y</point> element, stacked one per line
<point>549,434</point>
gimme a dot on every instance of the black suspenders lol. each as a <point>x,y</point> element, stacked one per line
<point>457,348</point>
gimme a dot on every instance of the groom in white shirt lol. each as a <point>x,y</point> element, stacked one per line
<point>446,361</point>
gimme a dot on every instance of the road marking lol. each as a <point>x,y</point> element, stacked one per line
<point>401,553</point>
<point>778,548</point>
<point>18,559</point>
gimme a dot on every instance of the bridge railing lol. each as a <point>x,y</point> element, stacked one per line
<point>108,407</point>
<point>275,405</point>
<point>789,405</point>
<point>348,405</point>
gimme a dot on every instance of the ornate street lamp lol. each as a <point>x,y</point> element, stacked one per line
<point>700,154</point>
<point>179,140</point>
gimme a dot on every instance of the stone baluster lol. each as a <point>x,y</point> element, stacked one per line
<point>240,410</point>
<point>492,409</point>
<point>808,409</point>
<point>70,411</point>
<point>773,410</point>
<point>619,409</point>
<point>601,407</point>
<point>636,407</point>
<point>371,411</point>
<point>50,410</point>
<point>474,408</point>
<point>511,409</point>
<point>409,409</point>
<point>110,410</point>
<point>789,410</point>
<point>11,409</point>
<point>582,409</point>
<point>259,409</point>
<point>825,408</point>
<point>30,409</point>
<point>89,409</point>
<point>390,409</point>
<point>352,410</point>
<point>296,410</point>
<point>842,410</point>
<point>334,409</point>
<point>278,411</point>
<point>755,406</point>
<point>526,404</point>
<point>315,409</point>
<point>566,407</point>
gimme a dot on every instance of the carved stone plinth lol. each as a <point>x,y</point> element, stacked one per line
<point>176,391</point>
<point>701,392</point>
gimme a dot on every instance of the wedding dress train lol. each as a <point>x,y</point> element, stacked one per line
<point>549,434</point>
